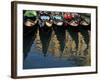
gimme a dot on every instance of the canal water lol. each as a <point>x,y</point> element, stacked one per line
<point>35,59</point>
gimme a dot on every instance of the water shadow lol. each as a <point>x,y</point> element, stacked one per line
<point>61,35</point>
<point>29,35</point>
<point>73,32</point>
<point>84,31</point>
<point>45,37</point>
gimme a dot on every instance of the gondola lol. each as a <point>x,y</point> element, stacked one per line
<point>85,28</point>
<point>71,22</point>
<point>45,30</point>
<point>59,29</point>
<point>30,26</point>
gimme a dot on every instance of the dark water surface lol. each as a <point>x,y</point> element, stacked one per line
<point>35,59</point>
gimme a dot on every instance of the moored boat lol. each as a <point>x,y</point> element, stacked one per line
<point>30,26</point>
<point>45,30</point>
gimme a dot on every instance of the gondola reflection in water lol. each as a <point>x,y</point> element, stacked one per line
<point>56,39</point>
